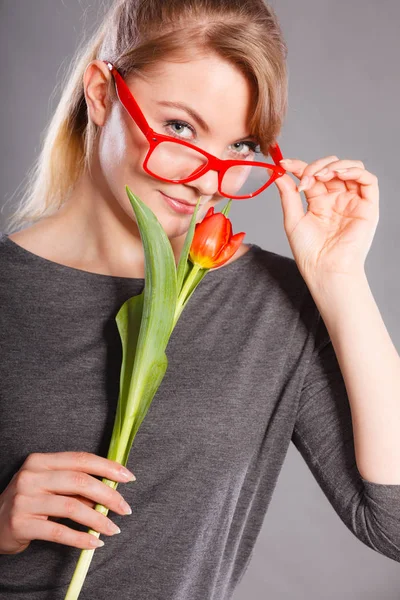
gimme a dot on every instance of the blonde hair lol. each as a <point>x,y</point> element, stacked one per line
<point>134,35</point>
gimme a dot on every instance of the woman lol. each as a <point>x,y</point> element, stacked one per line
<point>268,350</point>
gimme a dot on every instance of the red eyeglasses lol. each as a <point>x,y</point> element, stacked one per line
<point>176,161</point>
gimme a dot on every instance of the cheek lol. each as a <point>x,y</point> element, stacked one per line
<point>113,154</point>
<point>121,150</point>
<point>121,153</point>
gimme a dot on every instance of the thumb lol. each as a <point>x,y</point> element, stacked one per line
<point>292,206</point>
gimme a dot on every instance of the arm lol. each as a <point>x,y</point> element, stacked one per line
<point>370,366</point>
<point>324,433</point>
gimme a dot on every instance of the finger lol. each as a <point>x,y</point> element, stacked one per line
<point>333,183</point>
<point>301,169</point>
<point>52,505</point>
<point>87,501</point>
<point>339,164</point>
<point>292,206</point>
<point>79,461</point>
<point>327,175</point>
<point>75,482</point>
<point>368,182</point>
<point>329,180</point>
<point>40,529</point>
<point>313,188</point>
<point>314,170</point>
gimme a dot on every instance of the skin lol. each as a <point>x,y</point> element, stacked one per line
<point>95,229</point>
<point>57,484</point>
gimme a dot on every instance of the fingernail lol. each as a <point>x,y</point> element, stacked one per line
<point>96,543</point>
<point>125,507</point>
<point>322,172</point>
<point>303,184</point>
<point>113,528</point>
<point>340,170</point>
<point>286,161</point>
<point>127,475</point>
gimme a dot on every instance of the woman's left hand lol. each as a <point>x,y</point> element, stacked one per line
<point>335,234</point>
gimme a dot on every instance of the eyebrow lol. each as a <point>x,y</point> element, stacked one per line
<point>194,115</point>
<point>189,110</point>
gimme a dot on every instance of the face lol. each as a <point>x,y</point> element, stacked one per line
<point>208,86</point>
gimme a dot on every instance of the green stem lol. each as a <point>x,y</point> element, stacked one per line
<point>85,557</point>
<point>184,292</point>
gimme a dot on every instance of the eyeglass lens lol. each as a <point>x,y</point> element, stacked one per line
<point>174,161</point>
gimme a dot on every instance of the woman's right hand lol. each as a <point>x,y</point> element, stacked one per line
<point>57,484</point>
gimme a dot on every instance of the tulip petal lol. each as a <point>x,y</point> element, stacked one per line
<point>213,243</point>
<point>209,237</point>
<point>230,249</point>
<point>228,225</point>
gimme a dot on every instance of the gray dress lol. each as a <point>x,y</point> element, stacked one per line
<point>251,368</point>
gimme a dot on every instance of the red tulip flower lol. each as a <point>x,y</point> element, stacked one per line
<point>213,243</point>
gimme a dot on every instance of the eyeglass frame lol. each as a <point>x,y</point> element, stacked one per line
<point>213,162</point>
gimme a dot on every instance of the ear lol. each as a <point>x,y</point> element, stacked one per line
<point>96,81</point>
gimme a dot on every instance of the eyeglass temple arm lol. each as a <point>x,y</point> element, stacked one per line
<point>275,153</point>
<point>128,100</point>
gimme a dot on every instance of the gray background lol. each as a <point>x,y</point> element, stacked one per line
<point>344,90</point>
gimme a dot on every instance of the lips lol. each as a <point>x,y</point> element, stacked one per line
<point>179,200</point>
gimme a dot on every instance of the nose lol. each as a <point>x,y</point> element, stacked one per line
<point>207,184</point>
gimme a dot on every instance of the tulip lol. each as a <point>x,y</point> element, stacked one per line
<point>145,323</point>
<point>213,243</point>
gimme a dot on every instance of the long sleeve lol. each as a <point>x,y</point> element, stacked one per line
<point>323,434</point>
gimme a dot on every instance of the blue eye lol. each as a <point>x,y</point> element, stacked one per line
<point>182,130</point>
<point>177,128</point>
<point>246,148</point>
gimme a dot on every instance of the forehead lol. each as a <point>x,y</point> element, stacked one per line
<point>212,86</point>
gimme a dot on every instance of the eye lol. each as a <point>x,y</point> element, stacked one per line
<point>177,129</point>
<point>245,149</point>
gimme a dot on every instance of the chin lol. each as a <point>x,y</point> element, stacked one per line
<point>173,226</point>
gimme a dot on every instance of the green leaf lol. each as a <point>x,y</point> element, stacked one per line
<point>128,321</point>
<point>183,260</point>
<point>225,211</point>
<point>142,375</point>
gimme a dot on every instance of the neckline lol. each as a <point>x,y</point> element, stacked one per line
<point>36,258</point>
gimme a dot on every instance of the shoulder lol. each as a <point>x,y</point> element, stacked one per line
<point>4,248</point>
<point>10,272</point>
<point>16,265</point>
<point>32,238</point>
<point>26,238</point>
<point>279,267</point>
<point>38,240</point>
<point>276,279</point>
